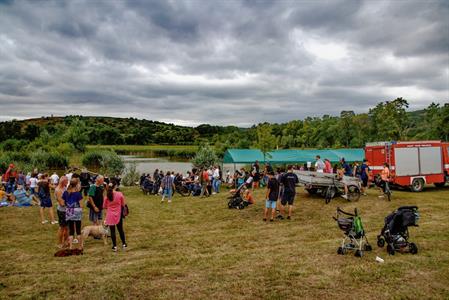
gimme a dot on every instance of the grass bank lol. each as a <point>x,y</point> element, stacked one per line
<point>171,151</point>
<point>199,249</point>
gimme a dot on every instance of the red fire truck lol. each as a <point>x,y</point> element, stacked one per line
<point>412,164</point>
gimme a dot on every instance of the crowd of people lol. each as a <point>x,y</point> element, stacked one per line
<point>73,193</point>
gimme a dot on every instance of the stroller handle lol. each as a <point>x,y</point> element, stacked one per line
<point>339,210</point>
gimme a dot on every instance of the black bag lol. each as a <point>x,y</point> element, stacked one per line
<point>125,211</point>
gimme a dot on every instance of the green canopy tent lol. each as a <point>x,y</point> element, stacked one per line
<point>242,156</point>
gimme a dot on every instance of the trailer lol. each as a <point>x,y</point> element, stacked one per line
<point>329,185</point>
<point>413,164</point>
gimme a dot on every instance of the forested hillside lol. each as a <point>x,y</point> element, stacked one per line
<point>387,121</point>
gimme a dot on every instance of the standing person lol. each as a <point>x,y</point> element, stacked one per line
<point>346,167</point>
<point>327,166</point>
<point>364,176</point>
<point>256,174</point>
<point>204,180</point>
<point>319,165</point>
<point>74,210</point>
<point>385,179</point>
<point>113,203</point>
<point>95,202</point>
<point>85,182</point>
<point>54,179</point>
<point>289,181</point>
<point>217,180</point>
<point>271,196</point>
<point>63,232</point>
<point>10,178</point>
<point>168,186</point>
<point>45,199</point>
<point>33,184</point>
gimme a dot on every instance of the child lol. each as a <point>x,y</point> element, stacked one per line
<point>248,197</point>
<point>271,196</point>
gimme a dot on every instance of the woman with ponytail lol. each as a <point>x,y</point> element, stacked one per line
<point>113,203</point>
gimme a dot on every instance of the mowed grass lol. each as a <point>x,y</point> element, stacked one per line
<point>198,249</point>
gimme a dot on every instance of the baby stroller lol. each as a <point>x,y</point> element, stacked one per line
<point>355,238</point>
<point>395,231</point>
<point>236,199</point>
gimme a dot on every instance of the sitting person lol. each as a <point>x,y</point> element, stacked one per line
<point>248,197</point>
<point>20,197</point>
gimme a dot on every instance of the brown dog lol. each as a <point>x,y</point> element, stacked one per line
<point>97,231</point>
<point>68,252</point>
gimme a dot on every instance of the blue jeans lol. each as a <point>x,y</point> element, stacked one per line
<point>10,188</point>
<point>216,185</point>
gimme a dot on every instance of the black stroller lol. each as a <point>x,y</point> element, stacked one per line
<point>147,186</point>
<point>236,199</point>
<point>355,238</point>
<point>395,230</point>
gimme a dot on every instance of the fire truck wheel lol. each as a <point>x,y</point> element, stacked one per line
<point>417,185</point>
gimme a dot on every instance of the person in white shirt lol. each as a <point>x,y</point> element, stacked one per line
<point>319,165</point>
<point>216,180</point>
<point>33,184</point>
<point>69,176</point>
<point>54,179</point>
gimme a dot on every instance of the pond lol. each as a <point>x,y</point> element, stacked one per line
<point>149,164</point>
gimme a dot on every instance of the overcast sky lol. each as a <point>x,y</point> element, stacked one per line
<point>219,62</point>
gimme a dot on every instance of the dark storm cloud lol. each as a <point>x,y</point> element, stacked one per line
<point>221,62</point>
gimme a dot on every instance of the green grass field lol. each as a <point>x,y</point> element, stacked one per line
<point>198,249</point>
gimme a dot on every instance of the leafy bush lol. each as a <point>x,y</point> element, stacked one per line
<point>106,160</point>
<point>131,175</point>
<point>205,157</point>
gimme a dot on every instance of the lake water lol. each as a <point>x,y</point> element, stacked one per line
<point>148,165</point>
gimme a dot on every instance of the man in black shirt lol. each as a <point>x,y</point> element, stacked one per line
<point>289,181</point>
<point>271,196</point>
<point>85,182</point>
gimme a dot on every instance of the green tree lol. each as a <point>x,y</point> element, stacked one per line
<point>265,140</point>
<point>77,135</point>
<point>205,157</point>
<point>389,120</point>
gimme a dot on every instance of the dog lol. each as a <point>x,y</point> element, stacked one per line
<point>68,252</point>
<point>96,231</point>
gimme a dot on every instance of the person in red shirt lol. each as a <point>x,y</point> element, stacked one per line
<point>327,166</point>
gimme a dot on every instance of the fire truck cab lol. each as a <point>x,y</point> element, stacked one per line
<point>412,164</point>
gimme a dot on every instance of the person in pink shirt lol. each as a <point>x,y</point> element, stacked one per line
<point>113,204</point>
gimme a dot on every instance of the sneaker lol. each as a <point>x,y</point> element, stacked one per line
<point>124,247</point>
<point>114,249</point>
<point>169,201</point>
<point>280,217</point>
<point>44,222</point>
<point>271,220</point>
<point>75,241</point>
<point>54,222</point>
<point>213,193</point>
<point>381,196</point>
<point>162,200</point>
<point>264,219</point>
<point>364,194</point>
<point>289,218</point>
<point>345,196</point>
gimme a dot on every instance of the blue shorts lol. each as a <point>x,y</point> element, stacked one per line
<point>270,204</point>
<point>95,216</point>
<point>46,202</point>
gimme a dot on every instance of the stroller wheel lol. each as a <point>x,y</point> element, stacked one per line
<point>367,247</point>
<point>380,242</point>
<point>358,253</point>
<point>390,249</point>
<point>413,248</point>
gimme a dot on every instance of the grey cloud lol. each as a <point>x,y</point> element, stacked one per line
<point>220,62</point>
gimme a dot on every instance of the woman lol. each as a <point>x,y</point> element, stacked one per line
<point>113,203</point>
<point>63,232</point>
<point>385,179</point>
<point>45,200</point>
<point>73,209</point>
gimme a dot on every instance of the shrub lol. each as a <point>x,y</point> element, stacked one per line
<point>106,160</point>
<point>131,175</point>
<point>205,157</point>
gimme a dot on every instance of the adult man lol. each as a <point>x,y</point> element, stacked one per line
<point>289,181</point>
<point>95,202</point>
<point>346,167</point>
<point>364,176</point>
<point>204,180</point>
<point>319,165</point>
<point>85,182</point>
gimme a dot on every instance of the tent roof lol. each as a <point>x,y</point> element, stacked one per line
<point>292,156</point>
<point>242,156</point>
